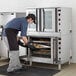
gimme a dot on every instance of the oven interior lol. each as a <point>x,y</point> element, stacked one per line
<point>43,47</point>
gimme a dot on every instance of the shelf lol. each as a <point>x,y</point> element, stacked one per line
<point>41,41</point>
<point>41,55</point>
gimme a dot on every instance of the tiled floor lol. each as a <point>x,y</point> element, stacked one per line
<point>68,70</point>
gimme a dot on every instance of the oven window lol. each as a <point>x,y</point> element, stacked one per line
<point>48,19</point>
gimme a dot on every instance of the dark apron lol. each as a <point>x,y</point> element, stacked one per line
<point>12,39</point>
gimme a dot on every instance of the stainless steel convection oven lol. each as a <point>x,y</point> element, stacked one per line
<point>51,35</point>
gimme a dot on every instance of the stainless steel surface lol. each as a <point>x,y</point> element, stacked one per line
<point>37,19</point>
<point>44,34</point>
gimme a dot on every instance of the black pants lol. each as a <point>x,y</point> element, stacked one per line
<point>12,38</point>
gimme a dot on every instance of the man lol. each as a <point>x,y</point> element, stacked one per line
<point>11,30</point>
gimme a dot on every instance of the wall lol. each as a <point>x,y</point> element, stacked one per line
<point>21,5</point>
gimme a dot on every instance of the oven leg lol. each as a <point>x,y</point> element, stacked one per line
<point>69,62</point>
<point>29,57</point>
<point>70,59</point>
<point>59,66</point>
<point>30,61</point>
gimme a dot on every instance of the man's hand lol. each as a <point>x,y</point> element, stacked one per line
<point>25,40</point>
<point>18,38</point>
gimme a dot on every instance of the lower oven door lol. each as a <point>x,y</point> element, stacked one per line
<point>44,49</point>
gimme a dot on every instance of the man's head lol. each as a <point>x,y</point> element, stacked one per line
<point>30,18</point>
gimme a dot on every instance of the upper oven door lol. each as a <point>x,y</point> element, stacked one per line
<point>49,19</point>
